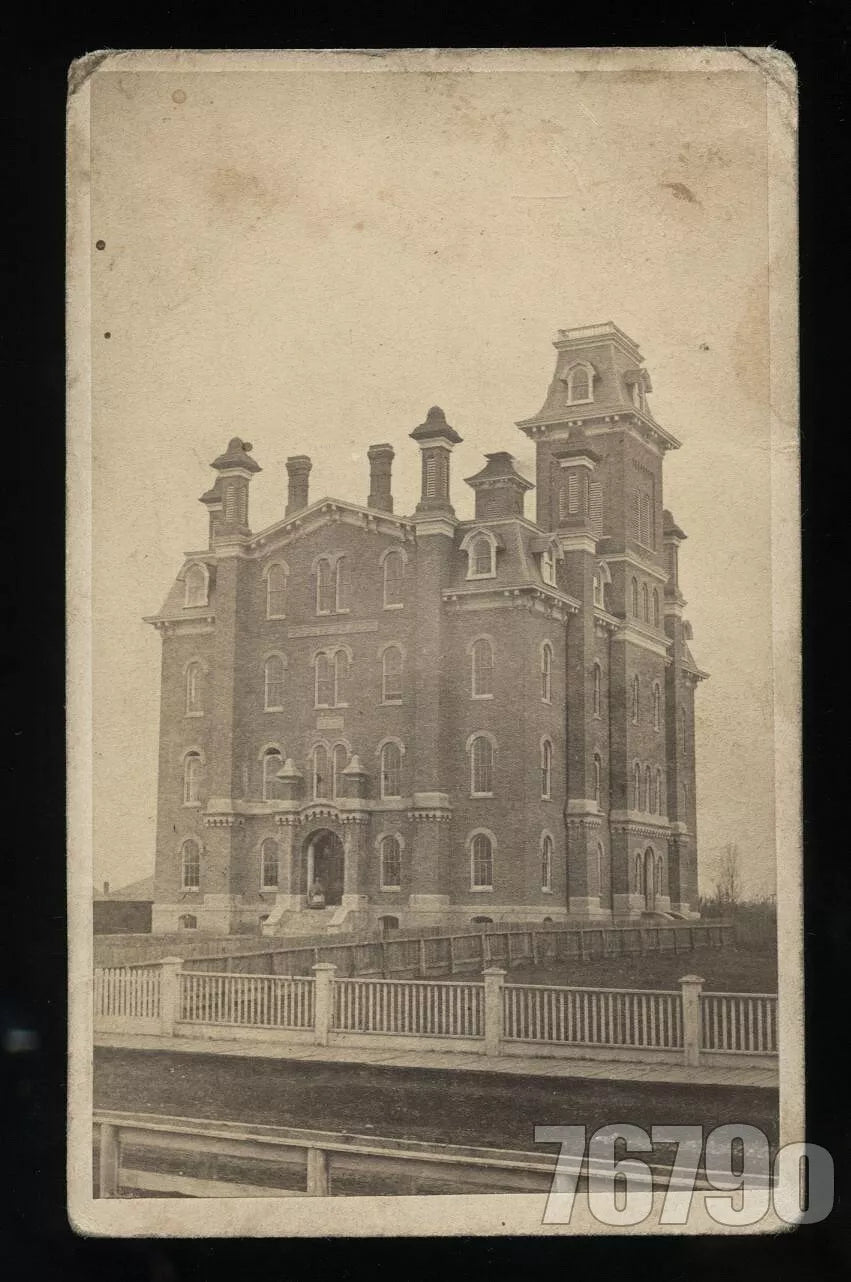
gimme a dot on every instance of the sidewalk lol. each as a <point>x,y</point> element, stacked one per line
<point>526,1066</point>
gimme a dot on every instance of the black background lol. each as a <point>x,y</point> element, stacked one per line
<point>38,1241</point>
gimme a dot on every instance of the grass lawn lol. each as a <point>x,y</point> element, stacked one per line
<point>728,970</point>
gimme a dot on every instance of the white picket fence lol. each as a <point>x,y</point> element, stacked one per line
<point>415,1007</point>
<point>739,1023</point>
<point>645,1019</point>
<point>490,1016</point>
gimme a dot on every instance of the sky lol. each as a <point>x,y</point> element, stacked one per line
<point>310,258</point>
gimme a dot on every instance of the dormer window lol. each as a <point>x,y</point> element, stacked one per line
<point>548,567</point>
<point>480,546</point>
<point>580,384</point>
<point>196,581</point>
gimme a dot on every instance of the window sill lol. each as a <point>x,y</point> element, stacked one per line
<point>192,805</point>
<point>391,703</point>
<point>477,796</point>
<point>394,889</point>
<point>279,707</point>
<point>546,890</point>
<point>193,714</point>
<point>390,796</point>
<point>481,890</point>
<point>394,605</point>
<point>473,577</point>
<point>275,616</point>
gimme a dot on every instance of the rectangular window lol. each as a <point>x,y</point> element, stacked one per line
<point>341,598</point>
<point>324,588</point>
<point>324,681</point>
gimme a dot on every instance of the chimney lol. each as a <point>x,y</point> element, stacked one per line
<point>499,488</point>
<point>298,470</point>
<point>380,462</point>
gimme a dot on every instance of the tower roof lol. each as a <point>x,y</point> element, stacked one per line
<point>236,455</point>
<point>499,470</point>
<point>435,425</point>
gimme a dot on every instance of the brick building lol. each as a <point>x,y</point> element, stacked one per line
<point>438,720</point>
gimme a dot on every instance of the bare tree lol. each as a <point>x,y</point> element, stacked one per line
<point>728,887</point>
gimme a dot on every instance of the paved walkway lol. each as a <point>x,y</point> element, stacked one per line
<point>457,1061</point>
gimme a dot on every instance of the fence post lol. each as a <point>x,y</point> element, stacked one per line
<point>323,1001</point>
<point>494,978</point>
<point>691,986</point>
<point>317,1170</point>
<point>110,1158</point>
<point>169,994</point>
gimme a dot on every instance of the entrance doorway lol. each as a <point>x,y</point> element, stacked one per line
<point>325,861</point>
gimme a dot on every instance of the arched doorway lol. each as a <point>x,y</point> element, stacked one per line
<point>387,925</point>
<point>649,879</point>
<point>324,863</point>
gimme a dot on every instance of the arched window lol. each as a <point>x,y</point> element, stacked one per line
<point>547,672</point>
<point>324,681</point>
<point>578,384</point>
<point>660,796</point>
<point>273,683</point>
<point>649,799</point>
<point>481,558</point>
<point>193,770</point>
<point>276,592</point>
<point>339,761</point>
<point>482,669</point>
<point>655,608</point>
<point>391,863</point>
<point>481,862</point>
<point>188,921</point>
<point>341,677</point>
<point>685,795</point>
<point>195,585</point>
<point>638,879</point>
<point>598,777</point>
<point>325,587</point>
<point>394,579</point>
<point>269,864</point>
<point>190,865</point>
<point>600,855</point>
<point>659,872</point>
<point>596,689</point>
<point>635,597</point>
<point>272,763</point>
<point>546,770</point>
<point>645,602</point>
<point>481,767</point>
<point>683,729</point>
<point>547,862</point>
<point>391,674</point>
<point>391,770</point>
<point>636,786</point>
<point>657,705</point>
<point>321,773</point>
<point>636,693</point>
<point>194,689</point>
<point>341,585</point>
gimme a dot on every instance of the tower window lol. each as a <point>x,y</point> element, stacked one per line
<point>546,770</point>
<point>272,763</point>
<point>645,602</point>
<point>321,773</point>
<point>635,597</point>
<point>579,384</point>
<point>547,862</point>
<point>391,863</point>
<point>194,689</point>
<point>391,770</point>
<point>573,493</point>
<point>655,608</point>
<point>635,698</point>
<point>596,509</point>
<point>598,773</point>
<point>193,769</point>
<point>649,797</point>
<point>597,680</point>
<point>394,570</point>
<point>269,864</point>
<point>431,476</point>
<point>548,567</point>
<point>481,767</point>
<point>481,862</point>
<point>391,674</point>
<point>636,786</point>
<point>276,592</point>
<point>600,853</point>
<point>481,669</point>
<point>230,503</point>
<point>273,683</point>
<point>481,558</point>
<point>657,706</point>
<point>339,761</point>
<point>660,796</point>
<point>546,672</point>
<point>190,865</point>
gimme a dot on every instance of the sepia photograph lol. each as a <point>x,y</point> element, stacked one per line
<point>434,713</point>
